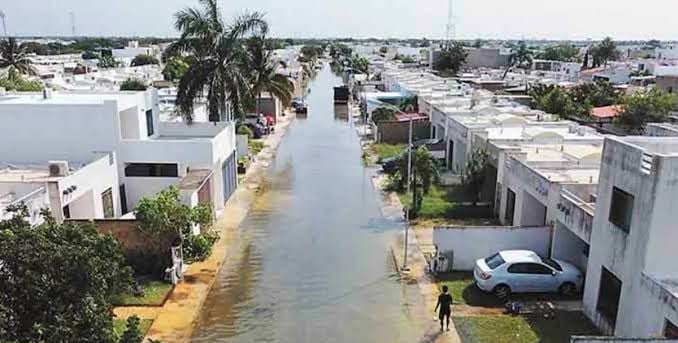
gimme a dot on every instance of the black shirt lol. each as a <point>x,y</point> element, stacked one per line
<point>445,302</point>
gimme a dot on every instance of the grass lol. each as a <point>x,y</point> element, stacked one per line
<point>383,150</point>
<point>445,202</point>
<point>255,146</point>
<point>119,326</point>
<point>530,328</point>
<point>155,293</point>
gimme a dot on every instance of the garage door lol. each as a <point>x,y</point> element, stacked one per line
<point>229,173</point>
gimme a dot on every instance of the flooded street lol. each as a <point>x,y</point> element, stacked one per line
<point>311,262</point>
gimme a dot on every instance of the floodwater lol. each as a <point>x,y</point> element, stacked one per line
<point>312,262</point>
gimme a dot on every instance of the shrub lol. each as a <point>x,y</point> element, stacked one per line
<point>133,85</point>
<point>132,333</point>
<point>198,247</point>
<point>244,130</point>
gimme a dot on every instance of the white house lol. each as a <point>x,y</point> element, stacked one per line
<point>71,190</point>
<point>631,284</point>
<point>151,154</point>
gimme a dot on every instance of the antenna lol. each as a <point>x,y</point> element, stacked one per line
<point>450,29</point>
<point>4,27</point>
<point>72,15</point>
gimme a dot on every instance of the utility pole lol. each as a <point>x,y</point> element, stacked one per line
<point>72,15</point>
<point>4,26</point>
<point>450,29</point>
<point>407,208</point>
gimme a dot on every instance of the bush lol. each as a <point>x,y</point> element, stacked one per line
<point>244,130</point>
<point>133,85</point>
<point>199,247</point>
<point>141,60</point>
<point>132,333</point>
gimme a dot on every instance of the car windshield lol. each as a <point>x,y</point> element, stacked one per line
<point>552,263</point>
<point>494,261</point>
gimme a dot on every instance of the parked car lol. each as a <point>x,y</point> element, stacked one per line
<point>523,271</point>
<point>390,165</point>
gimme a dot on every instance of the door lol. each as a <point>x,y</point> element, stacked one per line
<point>450,155</point>
<point>229,174</point>
<point>518,278</point>
<point>107,203</point>
<point>541,278</point>
<point>510,207</point>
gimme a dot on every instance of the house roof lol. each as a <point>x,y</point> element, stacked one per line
<point>400,117</point>
<point>606,111</point>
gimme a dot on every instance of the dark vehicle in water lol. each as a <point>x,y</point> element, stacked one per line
<point>341,94</point>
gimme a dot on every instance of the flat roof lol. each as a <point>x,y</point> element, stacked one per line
<point>194,179</point>
<point>67,98</point>
<point>654,145</point>
<point>31,172</point>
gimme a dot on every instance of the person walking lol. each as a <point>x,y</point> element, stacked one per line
<point>445,305</point>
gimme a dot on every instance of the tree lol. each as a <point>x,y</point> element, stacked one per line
<point>451,59</point>
<point>143,59</point>
<point>264,73</point>
<point>107,61</point>
<point>424,174</point>
<point>644,107</point>
<point>312,52</point>
<point>133,85</point>
<point>15,57</point>
<point>383,113</point>
<point>478,43</point>
<point>90,55</point>
<point>132,334</point>
<point>15,82</point>
<point>57,281</point>
<point>167,222</point>
<point>175,68</point>
<point>604,52</point>
<point>359,64</point>
<point>597,94</point>
<point>560,52</point>
<point>475,174</point>
<point>407,59</point>
<point>221,63</point>
<point>558,101</point>
<point>521,57</point>
<point>410,104</point>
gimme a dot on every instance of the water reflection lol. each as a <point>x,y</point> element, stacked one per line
<point>311,262</point>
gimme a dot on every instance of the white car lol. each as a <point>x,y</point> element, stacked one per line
<point>523,271</point>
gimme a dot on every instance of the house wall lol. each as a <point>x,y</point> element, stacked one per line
<point>472,243</point>
<point>569,248</point>
<point>622,253</point>
<point>57,132</point>
<point>399,132</point>
<point>485,57</point>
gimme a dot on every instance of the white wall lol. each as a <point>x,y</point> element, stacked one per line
<point>94,178</point>
<point>472,243</point>
<point>139,187</point>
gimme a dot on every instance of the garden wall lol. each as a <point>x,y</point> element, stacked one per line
<point>473,242</point>
<point>399,132</point>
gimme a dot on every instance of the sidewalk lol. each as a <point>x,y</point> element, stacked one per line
<point>392,208</point>
<point>174,320</point>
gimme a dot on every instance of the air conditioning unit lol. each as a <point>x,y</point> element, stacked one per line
<point>58,168</point>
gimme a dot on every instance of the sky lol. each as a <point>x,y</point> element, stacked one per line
<point>488,19</point>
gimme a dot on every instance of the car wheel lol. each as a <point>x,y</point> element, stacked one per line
<point>566,289</point>
<point>502,291</point>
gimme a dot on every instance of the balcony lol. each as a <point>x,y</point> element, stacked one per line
<point>576,214</point>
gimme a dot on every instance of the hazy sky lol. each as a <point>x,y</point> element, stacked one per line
<point>568,19</point>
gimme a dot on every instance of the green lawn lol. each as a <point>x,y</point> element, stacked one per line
<point>155,293</point>
<point>119,326</point>
<point>384,150</point>
<point>255,146</point>
<point>445,202</point>
<point>524,329</point>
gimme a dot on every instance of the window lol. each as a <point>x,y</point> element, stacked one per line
<point>107,203</point>
<point>535,268</point>
<point>151,170</point>
<point>670,330</point>
<point>608,296</point>
<point>494,261</point>
<point>553,264</point>
<point>149,123</point>
<point>67,212</point>
<point>621,209</point>
<point>519,268</point>
<point>123,199</point>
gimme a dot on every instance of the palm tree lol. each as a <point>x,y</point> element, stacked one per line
<point>15,57</point>
<point>221,67</point>
<point>521,56</point>
<point>264,71</point>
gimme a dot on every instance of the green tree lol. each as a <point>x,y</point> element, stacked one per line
<point>132,334</point>
<point>475,174</point>
<point>15,57</point>
<point>57,281</point>
<point>424,175</point>
<point>175,68</point>
<point>133,85</point>
<point>166,221</point>
<point>558,101</point>
<point>14,81</point>
<point>221,65</point>
<point>637,110</point>
<point>142,60</point>
<point>407,59</point>
<point>597,94</point>
<point>478,43</point>
<point>383,113</point>
<point>560,52</point>
<point>521,57</point>
<point>359,64</point>
<point>90,55</point>
<point>410,104</point>
<point>604,52</point>
<point>107,61</point>
<point>264,73</point>
<point>451,59</point>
